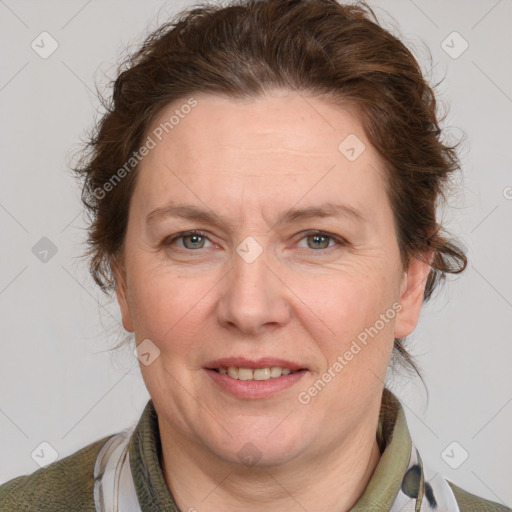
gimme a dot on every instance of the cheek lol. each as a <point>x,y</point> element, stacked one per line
<point>358,315</point>
<point>164,304</point>
<point>350,302</point>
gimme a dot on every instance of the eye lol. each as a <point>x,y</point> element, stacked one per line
<point>190,240</point>
<point>320,240</point>
<point>194,240</point>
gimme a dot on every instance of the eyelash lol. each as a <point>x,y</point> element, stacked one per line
<point>170,240</point>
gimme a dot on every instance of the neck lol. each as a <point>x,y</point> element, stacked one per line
<point>331,481</point>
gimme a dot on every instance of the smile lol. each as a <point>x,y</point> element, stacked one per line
<point>254,378</point>
<point>267,373</point>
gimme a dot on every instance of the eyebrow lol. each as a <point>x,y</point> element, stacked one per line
<point>293,215</point>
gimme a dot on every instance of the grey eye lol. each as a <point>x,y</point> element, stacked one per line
<point>318,241</point>
<point>193,241</point>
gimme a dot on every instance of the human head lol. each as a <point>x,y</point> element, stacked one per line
<point>344,55</point>
<point>317,48</point>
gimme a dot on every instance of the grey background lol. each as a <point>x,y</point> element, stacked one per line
<point>59,382</point>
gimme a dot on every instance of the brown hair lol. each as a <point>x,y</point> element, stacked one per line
<point>319,47</point>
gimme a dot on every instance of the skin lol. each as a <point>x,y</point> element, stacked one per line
<point>300,300</point>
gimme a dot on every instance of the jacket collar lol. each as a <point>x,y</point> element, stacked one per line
<point>387,478</point>
<point>393,435</point>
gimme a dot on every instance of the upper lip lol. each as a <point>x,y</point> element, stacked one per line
<point>242,362</point>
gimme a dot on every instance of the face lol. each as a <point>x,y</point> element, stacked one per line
<point>262,265</point>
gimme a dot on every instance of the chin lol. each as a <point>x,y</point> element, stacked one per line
<point>259,445</point>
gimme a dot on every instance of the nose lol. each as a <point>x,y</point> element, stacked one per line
<point>253,299</point>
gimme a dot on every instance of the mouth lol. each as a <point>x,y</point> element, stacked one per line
<point>266,373</point>
<point>252,379</point>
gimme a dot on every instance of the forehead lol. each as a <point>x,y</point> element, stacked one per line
<point>282,121</point>
<point>278,147</point>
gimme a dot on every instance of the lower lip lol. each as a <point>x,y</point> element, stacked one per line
<point>254,389</point>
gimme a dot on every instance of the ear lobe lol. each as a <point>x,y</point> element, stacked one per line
<point>411,295</point>
<point>121,293</point>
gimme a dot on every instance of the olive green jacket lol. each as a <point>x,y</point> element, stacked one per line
<point>67,484</point>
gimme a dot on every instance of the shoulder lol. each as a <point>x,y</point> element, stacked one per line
<point>470,503</point>
<point>64,485</point>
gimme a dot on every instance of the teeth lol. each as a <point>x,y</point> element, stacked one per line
<point>261,374</point>
<point>276,371</point>
<point>245,374</point>
<point>257,374</point>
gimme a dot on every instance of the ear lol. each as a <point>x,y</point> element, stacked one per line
<point>411,295</point>
<point>121,292</point>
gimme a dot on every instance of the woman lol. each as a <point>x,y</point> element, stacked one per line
<point>263,193</point>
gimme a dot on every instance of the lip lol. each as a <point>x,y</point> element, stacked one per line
<point>254,389</point>
<point>242,362</point>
